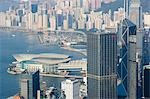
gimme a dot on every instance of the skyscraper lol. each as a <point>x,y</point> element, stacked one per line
<point>29,85</point>
<point>95,4</point>
<point>146,46</point>
<point>127,69</point>
<point>135,13</point>
<point>146,81</point>
<point>101,70</point>
<point>139,47</point>
<point>34,7</point>
<point>71,88</point>
<point>126,8</point>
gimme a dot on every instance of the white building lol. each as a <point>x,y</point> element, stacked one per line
<point>65,25</point>
<point>45,21</point>
<point>53,23</point>
<point>86,5</point>
<point>147,19</point>
<point>71,88</point>
<point>40,21</point>
<point>2,19</point>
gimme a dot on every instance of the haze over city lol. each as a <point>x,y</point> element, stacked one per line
<point>74,49</point>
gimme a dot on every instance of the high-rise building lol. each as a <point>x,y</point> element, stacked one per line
<point>126,8</point>
<point>95,4</point>
<point>135,13</point>
<point>53,23</point>
<point>147,20</point>
<point>45,21</point>
<point>146,47</point>
<point>34,8</point>
<point>86,5</point>
<point>139,47</point>
<point>71,88</point>
<point>127,69</point>
<point>40,21</point>
<point>146,82</point>
<point>29,85</point>
<point>24,84</point>
<point>65,24</point>
<point>101,70</point>
<point>70,20</point>
<point>59,19</point>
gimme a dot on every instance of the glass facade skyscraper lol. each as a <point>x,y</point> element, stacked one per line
<point>34,8</point>
<point>146,81</point>
<point>146,47</point>
<point>101,70</point>
<point>127,69</point>
<point>30,84</point>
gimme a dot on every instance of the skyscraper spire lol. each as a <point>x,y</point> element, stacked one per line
<point>126,8</point>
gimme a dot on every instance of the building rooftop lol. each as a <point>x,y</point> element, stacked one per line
<point>44,58</point>
<point>147,67</point>
<point>128,22</point>
<point>73,64</point>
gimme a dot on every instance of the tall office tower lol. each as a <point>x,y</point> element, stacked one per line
<point>53,23</point>
<point>146,80</point>
<point>146,47</point>
<point>29,85</point>
<point>139,47</point>
<point>76,3</point>
<point>59,19</point>
<point>135,13</point>
<point>70,21</point>
<point>71,88</point>
<point>45,21</point>
<point>101,69</point>
<point>86,5</point>
<point>147,20</point>
<point>95,4</point>
<point>126,8</point>
<point>34,7</point>
<point>127,60</point>
<point>65,24</point>
<point>40,21</point>
<point>30,20</point>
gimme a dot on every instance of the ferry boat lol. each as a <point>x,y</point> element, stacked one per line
<point>13,35</point>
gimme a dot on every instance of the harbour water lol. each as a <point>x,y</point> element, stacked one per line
<point>13,43</point>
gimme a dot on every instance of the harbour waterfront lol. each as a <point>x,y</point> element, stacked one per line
<point>15,43</point>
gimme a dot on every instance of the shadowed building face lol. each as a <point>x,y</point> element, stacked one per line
<point>101,53</point>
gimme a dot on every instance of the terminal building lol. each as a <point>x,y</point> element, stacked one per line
<point>50,63</point>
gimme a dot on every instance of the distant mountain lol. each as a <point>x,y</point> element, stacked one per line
<point>119,3</point>
<point>105,7</point>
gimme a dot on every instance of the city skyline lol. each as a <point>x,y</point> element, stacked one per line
<point>74,49</point>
